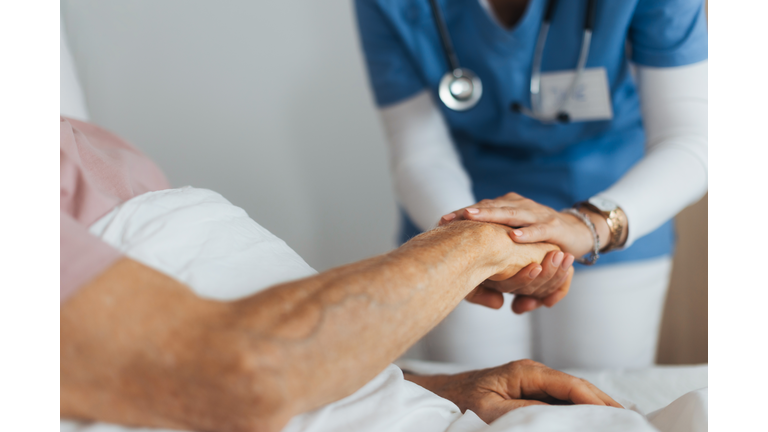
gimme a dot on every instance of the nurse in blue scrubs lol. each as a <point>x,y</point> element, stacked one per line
<point>562,127</point>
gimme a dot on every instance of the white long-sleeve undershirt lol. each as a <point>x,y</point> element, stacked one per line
<point>430,181</point>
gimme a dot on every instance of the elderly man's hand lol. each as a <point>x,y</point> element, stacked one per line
<point>491,393</point>
<point>538,274</point>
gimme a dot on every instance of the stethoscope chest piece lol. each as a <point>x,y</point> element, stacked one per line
<point>460,89</point>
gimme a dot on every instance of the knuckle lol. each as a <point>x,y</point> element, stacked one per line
<point>578,381</point>
<point>246,368</point>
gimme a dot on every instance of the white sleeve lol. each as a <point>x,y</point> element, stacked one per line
<point>428,177</point>
<point>673,174</point>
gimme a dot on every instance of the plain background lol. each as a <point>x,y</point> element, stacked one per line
<point>267,103</point>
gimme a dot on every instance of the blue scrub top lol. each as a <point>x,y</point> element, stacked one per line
<point>556,165</point>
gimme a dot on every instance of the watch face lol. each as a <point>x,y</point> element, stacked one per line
<point>603,204</point>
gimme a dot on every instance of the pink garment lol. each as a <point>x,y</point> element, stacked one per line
<point>98,172</point>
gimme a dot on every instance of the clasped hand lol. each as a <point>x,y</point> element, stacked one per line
<point>528,222</point>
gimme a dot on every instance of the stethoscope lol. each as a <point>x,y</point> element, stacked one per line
<point>460,89</point>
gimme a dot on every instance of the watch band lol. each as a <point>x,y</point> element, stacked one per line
<point>615,223</point>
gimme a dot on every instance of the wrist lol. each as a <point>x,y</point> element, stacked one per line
<point>441,385</point>
<point>473,251</point>
<point>429,382</point>
<point>492,246</point>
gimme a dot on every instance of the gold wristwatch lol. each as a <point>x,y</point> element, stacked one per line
<point>614,217</point>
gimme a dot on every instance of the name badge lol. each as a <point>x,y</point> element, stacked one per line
<point>590,100</point>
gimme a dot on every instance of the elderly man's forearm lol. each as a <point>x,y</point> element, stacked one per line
<point>322,338</point>
<point>140,348</point>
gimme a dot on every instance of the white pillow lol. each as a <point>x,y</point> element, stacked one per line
<point>201,239</point>
<point>72,103</point>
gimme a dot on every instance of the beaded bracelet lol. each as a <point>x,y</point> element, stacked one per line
<point>595,254</point>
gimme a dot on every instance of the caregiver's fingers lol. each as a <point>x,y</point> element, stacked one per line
<point>560,277</point>
<point>510,216</point>
<point>446,218</point>
<point>486,204</point>
<point>539,232</point>
<point>486,297</point>
<point>520,283</point>
<point>561,292</point>
<point>522,304</point>
<point>545,282</point>
<point>556,267</point>
<point>558,264</point>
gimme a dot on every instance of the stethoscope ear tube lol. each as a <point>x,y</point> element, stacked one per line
<point>551,6</point>
<point>589,23</point>
<point>560,115</point>
<point>460,89</point>
<point>445,38</point>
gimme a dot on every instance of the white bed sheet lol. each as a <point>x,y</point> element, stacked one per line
<point>198,237</point>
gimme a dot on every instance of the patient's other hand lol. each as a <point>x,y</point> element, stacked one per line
<point>491,393</point>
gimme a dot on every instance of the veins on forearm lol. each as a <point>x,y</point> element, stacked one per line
<point>379,287</point>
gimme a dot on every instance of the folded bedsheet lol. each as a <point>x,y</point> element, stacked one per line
<point>198,237</point>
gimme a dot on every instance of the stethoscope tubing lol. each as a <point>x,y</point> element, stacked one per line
<point>445,38</point>
<point>457,71</point>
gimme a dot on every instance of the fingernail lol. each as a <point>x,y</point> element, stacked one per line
<point>518,233</point>
<point>535,272</point>
<point>558,259</point>
<point>473,210</point>
<point>568,261</point>
<point>449,216</point>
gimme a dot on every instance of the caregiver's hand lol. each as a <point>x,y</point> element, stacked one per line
<point>491,393</point>
<point>534,222</point>
<point>535,285</point>
<point>542,277</point>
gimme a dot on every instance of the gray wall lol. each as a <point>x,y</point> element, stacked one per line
<point>266,102</point>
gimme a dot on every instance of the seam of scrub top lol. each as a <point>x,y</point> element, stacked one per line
<point>489,10</point>
<point>504,40</point>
